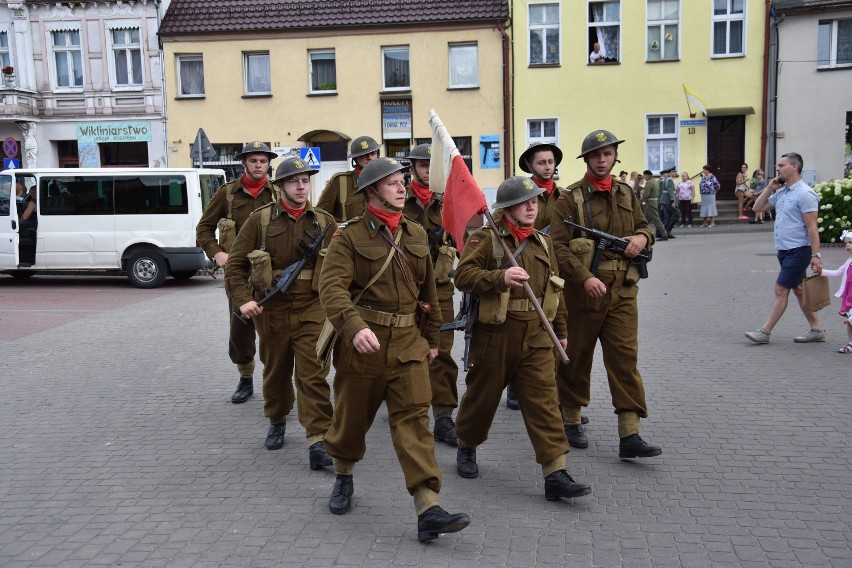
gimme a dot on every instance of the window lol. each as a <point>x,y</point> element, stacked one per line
<point>663,30</point>
<point>68,58</point>
<point>728,27</point>
<point>258,76</point>
<point>395,68</point>
<point>834,43</point>
<point>605,29</point>
<point>190,71</point>
<point>661,142</point>
<point>323,72</point>
<point>127,57</point>
<point>76,195</point>
<point>544,34</point>
<point>5,56</point>
<point>464,66</point>
<point>150,195</point>
<point>5,195</point>
<point>542,130</point>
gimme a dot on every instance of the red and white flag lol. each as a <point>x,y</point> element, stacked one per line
<point>449,174</point>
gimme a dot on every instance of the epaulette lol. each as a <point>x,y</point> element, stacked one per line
<point>343,225</point>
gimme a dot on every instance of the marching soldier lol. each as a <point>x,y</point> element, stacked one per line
<point>510,346</point>
<point>340,196</point>
<point>426,207</point>
<point>377,288</point>
<point>288,324</point>
<point>228,210</point>
<point>602,305</point>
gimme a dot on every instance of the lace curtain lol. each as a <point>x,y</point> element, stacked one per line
<point>607,35</point>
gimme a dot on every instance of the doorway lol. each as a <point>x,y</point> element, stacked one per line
<point>726,151</point>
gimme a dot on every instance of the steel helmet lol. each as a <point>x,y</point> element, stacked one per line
<point>516,190</point>
<point>292,166</point>
<point>598,139</point>
<point>362,146</point>
<point>256,147</point>
<point>421,152</point>
<point>376,170</point>
<point>537,147</point>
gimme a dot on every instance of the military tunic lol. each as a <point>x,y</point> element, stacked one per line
<point>651,205</point>
<point>329,199</point>
<point>290,323</point>
<point>398,372</point>
<point>546,207</point>
<point>241,345</point>
<point>612,319</point>
<point>517,352</point>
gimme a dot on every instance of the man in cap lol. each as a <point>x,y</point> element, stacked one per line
<point>602,306</point>
<point>651,204</point>
<point>340,196</point>
<point>288,324</point>
<point>228,210</point>
<point>510,346</point>
<point>377,289</point>
<point>669,211</point>
<point>426,207</point>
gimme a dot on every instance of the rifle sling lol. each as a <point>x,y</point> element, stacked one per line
<point>394,243</point>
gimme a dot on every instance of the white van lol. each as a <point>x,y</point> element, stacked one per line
<point>137,220</point>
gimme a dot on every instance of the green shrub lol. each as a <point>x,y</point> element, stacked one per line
<point>835,208</point>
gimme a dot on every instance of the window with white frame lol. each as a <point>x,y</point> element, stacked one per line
<point>834,43</point>
<point>395,68</point>
<point>544,34</point>
<point>605,30</point>
<point>190,75</point>
<point>5,55</point>
<point>464,66</point>
<point>542,130</point>
<point>258,76</point>
<point>663,30</point>
<point>127,57</point>
<point>661,142</point>
<point>728,27</point>
<point>323,71</point>
<point>68,58</point>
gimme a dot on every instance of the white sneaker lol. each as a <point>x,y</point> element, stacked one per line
<point>758,336</point>
<point>690,225</point>
<point>811,336</point>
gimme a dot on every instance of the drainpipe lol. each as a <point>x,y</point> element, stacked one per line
<point>157,4</point>
<point>763,118</point>
<point>508,104</point>
<point>772,127</point>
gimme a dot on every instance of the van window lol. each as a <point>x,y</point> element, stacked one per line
<point>209,185</point>
<point>5,195</point>
<point>150,195</point>
<point>90,195</point>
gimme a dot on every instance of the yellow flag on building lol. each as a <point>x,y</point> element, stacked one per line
<point>692,98</point>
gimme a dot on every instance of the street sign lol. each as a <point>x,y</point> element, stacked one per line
<point>208,152</point>
<point>697,122</point>
<point>10,147</point>
<point>11,164</point>
<point>311,156</point>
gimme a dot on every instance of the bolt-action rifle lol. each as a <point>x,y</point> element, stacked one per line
<point>468,313</point>
<point>605,241</point>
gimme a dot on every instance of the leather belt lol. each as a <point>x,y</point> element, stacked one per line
<point>306,274</point>
<point>614,265</point>
<point>386,319</point>
<point>522,305</point>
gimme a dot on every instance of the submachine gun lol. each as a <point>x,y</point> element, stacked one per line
<point>605,241</point>
<point>468,312</point>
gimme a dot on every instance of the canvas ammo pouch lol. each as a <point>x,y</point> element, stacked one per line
<point>260,277</point>
<point>227,233</point>
<point>493,308</point>
<point>325,343</point>
<point>444,263</point>
<point>584,250</point>
<point>552,292</point>
<point>632,276</point>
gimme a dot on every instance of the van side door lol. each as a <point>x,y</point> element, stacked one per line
<point>8,224</point>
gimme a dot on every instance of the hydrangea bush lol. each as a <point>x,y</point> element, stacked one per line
<point>835,208</point>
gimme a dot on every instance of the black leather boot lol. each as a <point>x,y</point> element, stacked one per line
<point>244,390</point>
<point>511,399</point>
<point>466,463</point>
<point>436,521</point>
<point>341,496</point>
<point>634,446</point>
<point>275,436</point>
<point>560,484</point>
<point>576,436</point>
<point>584,420</point>
<point>318,457</point>
<point>445,431</point>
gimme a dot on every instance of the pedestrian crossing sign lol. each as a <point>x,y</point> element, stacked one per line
<point>311,156</point>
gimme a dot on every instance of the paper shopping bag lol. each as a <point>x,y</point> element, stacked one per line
<point>815,293</point>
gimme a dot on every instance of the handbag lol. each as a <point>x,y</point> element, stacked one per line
<point>815,293</point>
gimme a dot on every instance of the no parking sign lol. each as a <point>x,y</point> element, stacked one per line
<point>10,147</point>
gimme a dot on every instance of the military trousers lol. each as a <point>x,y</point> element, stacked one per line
<point>241,337</point>
<point>614,321</point>
<point>288,328</point>
<point>652,214</point>
<point>397,374</point>
<point>444,372</point>
<point>518,353</point>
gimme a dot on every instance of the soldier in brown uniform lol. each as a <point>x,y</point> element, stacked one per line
<point>509,344</point>
<point>376,284</point>
<point>426,207</point>
<point>602,306</point>
<point>340,196</point>
<point>228,210</point>
<point>288,324</point>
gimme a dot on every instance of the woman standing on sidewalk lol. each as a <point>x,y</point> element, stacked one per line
<point>708,186</point>
<point>685,197</point>
<point>741,190</point>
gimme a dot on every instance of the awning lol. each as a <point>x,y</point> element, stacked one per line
<point>730,111</point>
<point>323,136</point>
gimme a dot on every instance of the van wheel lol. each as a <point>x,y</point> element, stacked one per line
<point>184,274</point>
<point>20,274</point>
<point>146,269</point>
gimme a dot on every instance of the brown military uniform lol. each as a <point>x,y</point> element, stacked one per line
<point>329,199</point>
<point>612,319</point>
<point>241,345</point>
<point>546,207</point>
<point>651,207</point>
<point>443,372</point>
<point>290,323</point>
<point>398,373</point>
<point>517,352</point>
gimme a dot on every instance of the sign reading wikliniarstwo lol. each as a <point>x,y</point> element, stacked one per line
<point>98,132</point>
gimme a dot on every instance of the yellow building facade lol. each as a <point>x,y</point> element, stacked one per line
<point>633,85</point>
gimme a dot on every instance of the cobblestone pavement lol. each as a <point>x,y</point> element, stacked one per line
<point>120,446</point>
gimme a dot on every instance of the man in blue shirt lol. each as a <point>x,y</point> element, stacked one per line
<point>796,240</point>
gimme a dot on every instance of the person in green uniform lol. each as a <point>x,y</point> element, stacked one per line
<point>378,291</point>
<point>602,306</point>
<point>228,210</point>
<point>510,345</point>
<point>651,204</point>
<point>340,196</point>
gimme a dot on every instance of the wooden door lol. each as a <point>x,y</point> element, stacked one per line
<point>726,150</point>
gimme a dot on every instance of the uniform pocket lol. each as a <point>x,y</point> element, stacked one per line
<point>227,233</point>
<point>373,256</point>
<point>486,346</point>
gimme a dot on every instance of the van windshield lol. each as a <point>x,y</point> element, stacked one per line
<point>5,195</point>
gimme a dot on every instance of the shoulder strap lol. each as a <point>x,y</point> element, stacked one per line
<point>229,197</point>
<point>265,216</point>
<point>344,192</point>
<point>580,201</point>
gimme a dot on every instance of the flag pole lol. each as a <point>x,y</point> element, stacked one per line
<point>691,114</point>
<point>544,321</point>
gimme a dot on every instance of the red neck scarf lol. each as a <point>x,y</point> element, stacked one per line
<point>423,193</point>
<point>253,187</point>
<point>520,233</point>
<point>600,184</point>
<point>548,185</point>
<point>294,213</point>
<point>390,219</point>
